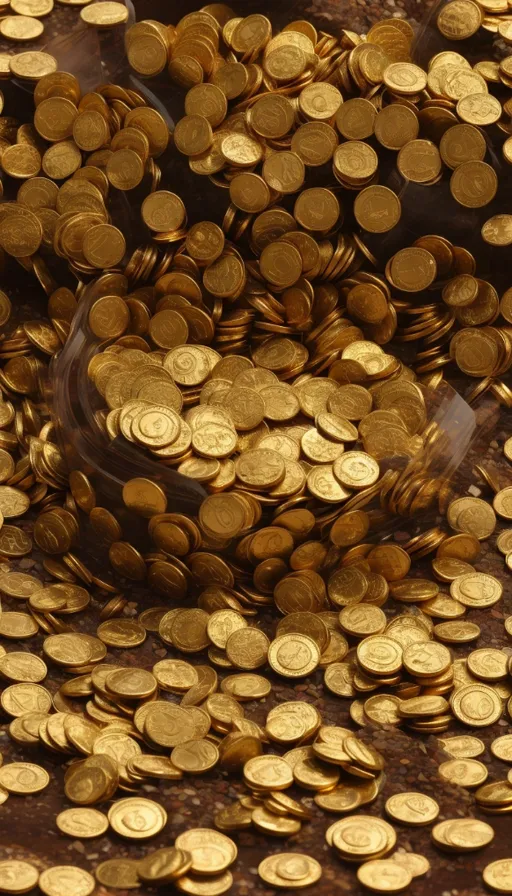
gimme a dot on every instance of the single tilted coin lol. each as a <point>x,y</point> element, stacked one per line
<point>384,876</point>
<point>464,772</point>
<point>82,822</point>
<point>17,876</point>
<point>412,808</point>
<point>104,14</point>
<point>61,879</point>
<point>498,875</point>
<point>137,818</point>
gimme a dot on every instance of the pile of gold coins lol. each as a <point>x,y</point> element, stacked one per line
<point>24,20</point>
<point>300,101</point>
<point>257,358</point>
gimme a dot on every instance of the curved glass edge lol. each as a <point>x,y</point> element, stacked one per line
<point>82,440</point>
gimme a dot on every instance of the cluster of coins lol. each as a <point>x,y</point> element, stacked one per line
<point>250,358</point>
<point>119,135</point>
<point>293,110</point>
<point>23,20</point>
<point>197,863</point>
<point>234,421</point>
<point>344,773</point>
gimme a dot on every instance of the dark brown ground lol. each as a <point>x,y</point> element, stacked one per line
<point>27,825</point>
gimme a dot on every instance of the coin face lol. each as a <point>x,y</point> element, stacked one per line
<point>412,808</point>
<point>293,655</point>
<point>377,209</point>
<point>498,876</point>
<point>460,22</point>
<point>384,875</point>
<point>476,589</point>
<point>55,881</point>
<point>17,876</point>
<point>23,777</point>
<point>478,705</point>
<point>208,848</point>
<point>465,772</point>
<point>82,822</point>
<point>137,818</point>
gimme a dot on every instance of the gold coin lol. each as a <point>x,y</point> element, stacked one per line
<point>118,873</point>
<point>268,773</point>
<point>476,590</point>
<point>426,659</point>
<point>319,102</point>
<point>458,632</point>
<point>502,503</point>
<point>215,885</point>
<point>195,756</point>
<point>317,209</point>
<point>384,873</point>
<point>501,747</point>
<point>314,142</point>
<point>464,772</point>
<point>211,851</point>
<point>32,65</point>
<point>17,625</point>
<point>463,746</point>
<point>104,14</point>
<point>504,541</point>
<point>137,818</point>
<point>416,864</point>
<point>380,655</point>
<point>473,184</point>
<point>17,876</point>
<point>21,161</point>
<point>247,648</point>
<point>21,27</point>
<point>419,161</point>
<point>495,795</point>
<point>23,778</point>
<point>204,241</point>
<point>355,469</point>
<point>377,209</point>
<point>498,875</point>
<point>412,808</point>
<point>82,822</point>
<point>293,655</point>
<point>404,78</point>
<point>413,269</point>
<point>463,143</point>
<point>396,125</point>
<point>104,246</point>
<point>460,20</point>
<point>64,879</point>
<point>164,865</point>
<point>477,705</point>
<point>488,664</point>
<point>163,211</point>
<point>208,100</point>
<point>238,149</point>
<point>361,837</point>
